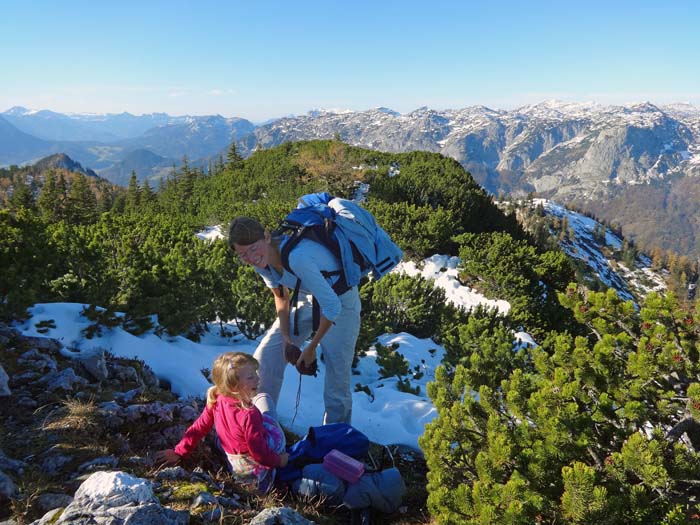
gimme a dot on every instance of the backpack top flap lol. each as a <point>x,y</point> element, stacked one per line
<point>357,226</point>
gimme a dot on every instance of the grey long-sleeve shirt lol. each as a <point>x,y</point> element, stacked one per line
<point>307,260</point>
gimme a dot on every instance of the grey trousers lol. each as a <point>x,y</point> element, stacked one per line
<point>337,346</point>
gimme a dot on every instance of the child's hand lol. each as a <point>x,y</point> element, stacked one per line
<point>167,457</point>
<point>284,459</point>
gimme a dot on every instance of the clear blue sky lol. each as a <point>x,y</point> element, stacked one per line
<point>260,59</point>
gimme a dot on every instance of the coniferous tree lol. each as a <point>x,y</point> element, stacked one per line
<point>62,197</point>
<point>234,161</point>
<point>105,200</point>
<point>81,204</point>
<point>133,197</point>
<point>147,196</point>
<point>49,198</point>
<point>22,194</point>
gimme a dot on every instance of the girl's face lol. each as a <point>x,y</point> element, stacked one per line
<point>256,253</point>
<point>248,382</point>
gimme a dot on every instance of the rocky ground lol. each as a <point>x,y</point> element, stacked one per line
<point>77,438</point>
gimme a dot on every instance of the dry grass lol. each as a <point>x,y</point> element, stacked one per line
<point>74,416</point>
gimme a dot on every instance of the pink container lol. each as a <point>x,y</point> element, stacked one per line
<point>343,466</point>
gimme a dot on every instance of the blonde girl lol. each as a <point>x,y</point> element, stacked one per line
<point>252,441</point>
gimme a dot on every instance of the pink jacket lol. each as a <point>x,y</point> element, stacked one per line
<point>240,430</point>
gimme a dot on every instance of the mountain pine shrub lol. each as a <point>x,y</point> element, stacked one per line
<point>600,428</point>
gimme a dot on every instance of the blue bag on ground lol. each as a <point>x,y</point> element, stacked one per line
<point>318,442</point>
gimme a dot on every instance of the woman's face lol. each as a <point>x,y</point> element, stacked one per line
<point>256,253</point>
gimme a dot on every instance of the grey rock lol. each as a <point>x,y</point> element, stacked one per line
<point>199,473</point>
<point>277,515</point>
<point>4,383</point>
<point>27,403</point>
<point>8,489</point>
<point>204,498</point>
<point>149,377</point>
<point>232,502</point>
<point>173,473</point>
<point>173,434</point>
<point>66,379</point>
<point>8,332</point>
<point>108,498</point>
<point>48,344</point>
<point>54,463</point>
<point>126,397</point>
<point>50,501</point>
<point>25,378</point>
<point>109,407</point>
<point>49,518</point>
<point>140,460</point>
<point>94,363</point>
<point>189,413</point>
<point>122,373</point>
<point>12,465</point>
<point>37,360</point>
<point>99,463</point>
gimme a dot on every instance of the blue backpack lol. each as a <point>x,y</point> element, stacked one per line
<point>320,441</point>
<point>348,231</point>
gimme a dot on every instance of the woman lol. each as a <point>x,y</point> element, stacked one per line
<point>339,322</point>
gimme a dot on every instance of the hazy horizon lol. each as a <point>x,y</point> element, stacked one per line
<point>340,110</point>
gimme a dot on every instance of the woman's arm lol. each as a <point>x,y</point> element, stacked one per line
<point>309,354</point>
<point>282,306</point>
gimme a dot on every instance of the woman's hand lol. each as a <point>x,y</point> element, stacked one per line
<point>307,364</point>
<point>284,459</point>
<point>167,457</point>
<point>308,356</point>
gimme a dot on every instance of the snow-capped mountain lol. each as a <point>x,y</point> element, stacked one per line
<point>557,149</point>
<point>196,137</point>
<point>631,281</point>
<point>107,143</point>
<point>49,125</point>
<point>634,165</point>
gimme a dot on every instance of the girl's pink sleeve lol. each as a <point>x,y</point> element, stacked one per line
<point>256,438</point>
<point>195,433</point>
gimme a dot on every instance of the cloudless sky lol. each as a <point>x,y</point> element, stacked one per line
<point>270,58</point>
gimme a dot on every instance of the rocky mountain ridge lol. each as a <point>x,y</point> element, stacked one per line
<point>557,149</point>
<point>636,166</point>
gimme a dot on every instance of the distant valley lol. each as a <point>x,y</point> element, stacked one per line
<point>633,166</point>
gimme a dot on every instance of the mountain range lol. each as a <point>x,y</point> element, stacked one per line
<point>633,166</point>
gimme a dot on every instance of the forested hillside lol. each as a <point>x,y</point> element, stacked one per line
<point>588,427</point>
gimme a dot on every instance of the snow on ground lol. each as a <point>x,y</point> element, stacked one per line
<point>583,246</point>
<point>443,270</point>
<point>387,415</point>
<point>210,233</point>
